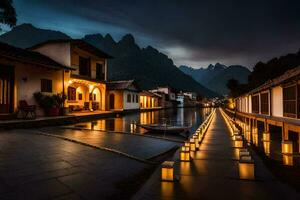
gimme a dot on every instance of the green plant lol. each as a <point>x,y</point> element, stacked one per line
<point>45,101</point>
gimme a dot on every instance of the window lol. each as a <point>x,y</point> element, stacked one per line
<point>99,72</point>
<point>264,105</point>
<point>289,101</point>
<point>255,104</point>
<point>80,96</point>
<point>46,85</point>
<point>71,93</point>
<point>136,98</point>
<point>84,66</point>
<point>128,98</point>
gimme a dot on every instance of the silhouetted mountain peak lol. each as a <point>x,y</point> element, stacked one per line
<point>128,39</point>
<point>27,35</point>
<point>109,38</point>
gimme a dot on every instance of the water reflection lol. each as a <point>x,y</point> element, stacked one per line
<point>182,116</point>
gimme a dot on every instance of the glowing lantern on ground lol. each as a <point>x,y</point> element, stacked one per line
<point>287,147</point>
<point>185,148</point>
<point>192,144</point>
<point>184,156</point>
<point>243,152</point>
<point>167,171</point>
<point>246,168</point>
<point>238,143</point>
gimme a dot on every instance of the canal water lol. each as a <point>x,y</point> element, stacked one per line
<point>192,117</point>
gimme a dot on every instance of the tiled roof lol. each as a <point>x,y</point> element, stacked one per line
<point>121,85</point>
<point>27,56</point>
<point>278,80</point>
<point>76,42</point>
<point>148,93</point>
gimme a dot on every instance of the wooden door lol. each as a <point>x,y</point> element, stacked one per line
<point>111,101</point>
<point>6,89</point>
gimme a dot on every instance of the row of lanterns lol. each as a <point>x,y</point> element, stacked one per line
<point>190,146</point>
<point>286,145</point>
<point>246,163</point>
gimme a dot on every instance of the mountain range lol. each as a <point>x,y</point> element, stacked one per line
<point>215,77</point>
<point>149,67</point>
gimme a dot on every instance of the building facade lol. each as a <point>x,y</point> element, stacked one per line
<point>123,95</point>
<point>85,85</point>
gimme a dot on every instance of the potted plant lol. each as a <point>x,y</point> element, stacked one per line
<point>59,101</point>
<point>48,103</point>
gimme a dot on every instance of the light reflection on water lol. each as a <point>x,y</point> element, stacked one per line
<point>181,116</point>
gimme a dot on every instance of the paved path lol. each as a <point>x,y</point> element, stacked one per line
<point>213,174</point>
<point>40,167</point>
<point>138,146</point>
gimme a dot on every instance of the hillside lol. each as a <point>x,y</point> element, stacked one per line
<point>26,35</point>
<point>216,76</point>
<point>146,65</point>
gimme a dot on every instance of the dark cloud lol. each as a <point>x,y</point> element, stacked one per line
<point>232,31</point>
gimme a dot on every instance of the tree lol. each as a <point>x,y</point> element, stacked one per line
<point>8,14</point>
<point>233,86</point>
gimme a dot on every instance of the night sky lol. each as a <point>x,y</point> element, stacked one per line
<point>194,33</point>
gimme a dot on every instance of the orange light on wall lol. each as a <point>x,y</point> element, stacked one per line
<point>287,147</point>
<point>167,171</point>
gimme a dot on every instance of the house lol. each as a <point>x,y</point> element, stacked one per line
<point>168,96</point>
<point>85,86</point>
<point>123,95</point>
<point>24,72</point>
<point>274,104</point>
<point>149,100</point>
<point>166,90</point>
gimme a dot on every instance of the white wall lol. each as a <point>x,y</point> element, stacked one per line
<point>277,104</point>
<point>28,81</point>
<point>132,104</point>
<point>60,52</point>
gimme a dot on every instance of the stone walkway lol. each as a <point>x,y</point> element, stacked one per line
<point>40,167</point>
<point>142,147</point>
<point>213,174</point>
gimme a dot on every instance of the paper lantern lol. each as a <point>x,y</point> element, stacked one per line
<point>266,145</point>
<point>185,156</point>
<point>246,168</point>
<point>287,147</point>
<point>167,171</point>
<point>238,143</point>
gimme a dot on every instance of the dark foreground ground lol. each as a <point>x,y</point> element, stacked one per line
<point>36,166</point>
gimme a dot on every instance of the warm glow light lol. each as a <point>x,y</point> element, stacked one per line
<point>246,170</point>
<point>288,160</point>
<point>266,145</point>
<point>184,156</point>
<point>287,147</point>
<point>238,143</point>
<point>266,136</point>
<point>167,171</point>
<point>185,148</point>
<point>70,82</point>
